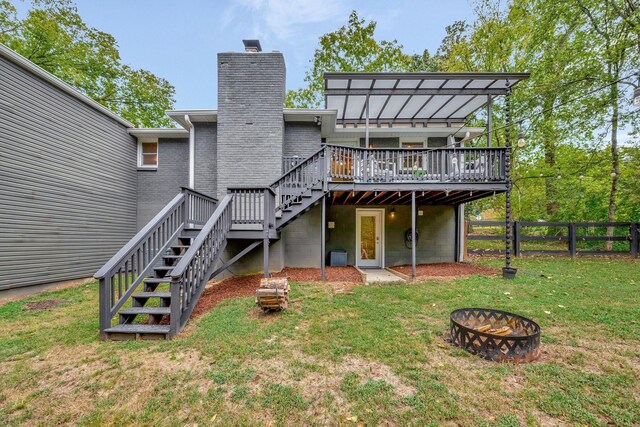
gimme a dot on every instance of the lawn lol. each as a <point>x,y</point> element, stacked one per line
<point>374,357</point>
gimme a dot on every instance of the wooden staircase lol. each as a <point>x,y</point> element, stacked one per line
<point>153,304</point>
<point>153,283</point>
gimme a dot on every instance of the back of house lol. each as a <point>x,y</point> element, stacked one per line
<point>378,177</point>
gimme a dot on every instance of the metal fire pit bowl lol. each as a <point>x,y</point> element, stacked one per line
<point>522,345</point>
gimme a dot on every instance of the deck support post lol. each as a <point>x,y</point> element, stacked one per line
<point>413,234</point>
<point>265,258</point>
<point>269,202</point>
<point>507,271</point>
<point>323,231</point>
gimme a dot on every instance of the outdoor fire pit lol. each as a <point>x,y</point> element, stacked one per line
<point>496,335</point>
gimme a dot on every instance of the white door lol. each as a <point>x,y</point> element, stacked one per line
<point>369,244</point>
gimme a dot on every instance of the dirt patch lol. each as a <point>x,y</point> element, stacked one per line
<point>244,286</point>
<point>42,305</point>
<point>445,270</point>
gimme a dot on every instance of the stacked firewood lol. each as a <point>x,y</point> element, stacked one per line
<point>273,294</point>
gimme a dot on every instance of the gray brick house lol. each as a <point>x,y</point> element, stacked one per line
<point>381,175</point>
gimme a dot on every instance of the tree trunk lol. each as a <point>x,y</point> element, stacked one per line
<point>615,169</point>
<point>550,182</point>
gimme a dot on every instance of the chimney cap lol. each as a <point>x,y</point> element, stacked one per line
<point>252,46</point>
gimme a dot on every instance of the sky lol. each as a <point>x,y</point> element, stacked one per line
<point>179,40</point>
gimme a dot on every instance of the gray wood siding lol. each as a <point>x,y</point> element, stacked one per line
<point>68,183</point>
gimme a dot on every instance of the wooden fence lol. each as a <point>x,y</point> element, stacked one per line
<point>569,238</point>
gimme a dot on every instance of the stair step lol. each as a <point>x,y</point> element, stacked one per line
<point>190,232</point>
<point>145,295</point>
<point>158,280</point>
<point>134,328</point>
<point>164,268</point>
<point>171,256</point>
<point>180,247</point>
<point>146,310</point>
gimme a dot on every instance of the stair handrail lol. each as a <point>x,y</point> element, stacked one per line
<point>122,274</point>
<point>194,269</point>
<point>296,181</point>
<point>298,166</point>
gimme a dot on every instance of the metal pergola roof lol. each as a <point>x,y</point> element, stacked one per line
<point>412,97</point>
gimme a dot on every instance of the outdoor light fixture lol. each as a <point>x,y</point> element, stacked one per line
<point>392,213</point>
<point>636,93</point>
<point>521,140</point>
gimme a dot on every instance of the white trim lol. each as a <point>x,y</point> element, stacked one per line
<point>192,151</point>
<point>204,115</point>
<point>23,62</point>
<point>382,212</point>
<point>158,133</point>
<point>149,167</point>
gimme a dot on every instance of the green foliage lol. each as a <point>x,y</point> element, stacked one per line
<point>53,35</point>
<point>352,47</point>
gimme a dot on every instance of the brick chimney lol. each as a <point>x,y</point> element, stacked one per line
<point>251,96</point>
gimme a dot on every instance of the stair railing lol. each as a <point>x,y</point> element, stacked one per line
<point>252,206</point>
<point>190,275</point>
<point>300,179</point>
<point>123,273</point>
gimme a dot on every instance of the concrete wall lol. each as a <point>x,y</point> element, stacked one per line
<point>301,240</point>
<point>301,139</point>
<point>251,91</point>
<point>156,187</point>
<point>436,228</point>
<point>68,182</point>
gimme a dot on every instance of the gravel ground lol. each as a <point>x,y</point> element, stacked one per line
<point>244,286</point>
<point>448,269</point>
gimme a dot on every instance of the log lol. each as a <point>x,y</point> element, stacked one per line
<point>273,294</point>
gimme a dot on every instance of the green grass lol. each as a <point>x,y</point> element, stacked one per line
<point>377,357</point>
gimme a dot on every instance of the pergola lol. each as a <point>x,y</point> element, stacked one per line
<point>414,99</point>
<point>422,100</point>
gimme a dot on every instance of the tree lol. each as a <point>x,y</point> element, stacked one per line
<point>54,36</point>
<point>351,48</point>
<point>615,26</point>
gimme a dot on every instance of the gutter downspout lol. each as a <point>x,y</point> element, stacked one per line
<point>192,152</point>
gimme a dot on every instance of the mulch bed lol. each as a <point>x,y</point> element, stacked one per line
<point>447,269</point>
<point>42,305</point>
<point>334,274</point>
<point>245,286</point>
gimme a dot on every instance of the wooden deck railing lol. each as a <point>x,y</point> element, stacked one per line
<point>568,238</point>
<point>416,165</point>
<point>298,180</point>
<point>252,206</point>
<point>194,269</point>
<point>124,272</point>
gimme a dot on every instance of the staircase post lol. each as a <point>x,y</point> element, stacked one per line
<point>176,305</point>
<point>322,237</point>
<point>266,224</point>
<point>105,306</point>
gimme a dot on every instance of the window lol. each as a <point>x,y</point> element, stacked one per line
<point>413,144</point>
<point>148,155</point>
